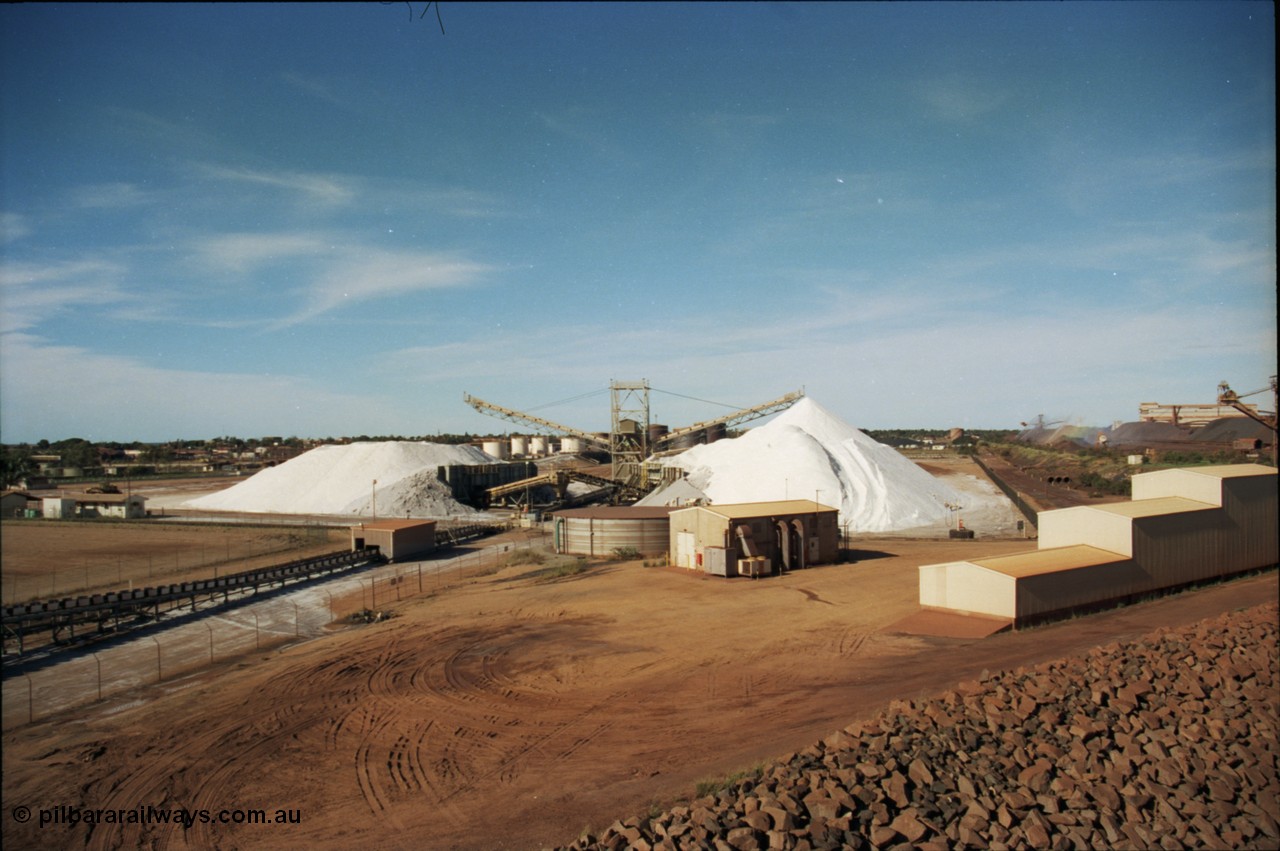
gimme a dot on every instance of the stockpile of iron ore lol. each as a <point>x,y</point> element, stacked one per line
<point>1169,742</point>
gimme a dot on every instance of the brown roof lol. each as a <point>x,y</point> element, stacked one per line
<point>619,512</point>
<point>745,510</point>
<point>103,498</point>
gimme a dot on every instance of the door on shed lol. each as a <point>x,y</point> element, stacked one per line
<point>684,549</point>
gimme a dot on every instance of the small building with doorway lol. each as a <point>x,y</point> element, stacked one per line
<point>398,540</point>
<point>754,538</point>
<point>17,503</point>
<point>119,505</point>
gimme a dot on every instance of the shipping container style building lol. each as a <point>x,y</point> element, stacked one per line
<point>602,530</point>
<point>754,538</point>
<point>1183,526</point>
<point>398,540</point>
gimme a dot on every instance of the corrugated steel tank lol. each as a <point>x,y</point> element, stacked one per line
<point>589,535</point>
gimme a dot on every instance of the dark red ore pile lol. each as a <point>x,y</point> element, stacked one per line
<point>1169,742</point>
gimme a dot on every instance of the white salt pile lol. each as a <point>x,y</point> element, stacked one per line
<point>808,453</point>
<point>339,480</point>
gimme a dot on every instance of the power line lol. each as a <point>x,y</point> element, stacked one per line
<point>570,399</point>
<point>696,399</point>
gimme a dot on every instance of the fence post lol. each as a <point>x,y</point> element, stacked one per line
<point>97,659</point>
<point>159,664</point>
<point>210,628</point>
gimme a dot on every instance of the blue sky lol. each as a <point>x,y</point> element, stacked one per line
<point>334,220</point>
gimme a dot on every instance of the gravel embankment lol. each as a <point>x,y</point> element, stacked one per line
<point>1169,742</point>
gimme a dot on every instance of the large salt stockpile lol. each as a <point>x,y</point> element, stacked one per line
<point>807,453</point>
<point>339,480</point>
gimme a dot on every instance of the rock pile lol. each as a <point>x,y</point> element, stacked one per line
<point>1169,742</point>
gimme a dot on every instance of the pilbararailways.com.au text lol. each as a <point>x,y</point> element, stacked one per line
<point>69,816</point>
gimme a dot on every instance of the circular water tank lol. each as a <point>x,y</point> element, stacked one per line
<point>537,446</point>
<point>495,448</point>
<point>601,530</point>
<point>571,445</point>
<point>519,445</point>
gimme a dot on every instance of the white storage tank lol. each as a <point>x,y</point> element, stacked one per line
<point>537,446</point>
<point>571,445</point>
<point>519,446</point>
<point>495,448</point>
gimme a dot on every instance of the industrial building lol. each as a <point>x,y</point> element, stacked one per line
<point>1183,526</point>
<point>397,540</point>
<point>118,505</point>
<point>754,538</point>
<point>601,530</point>
<point>17,503</point>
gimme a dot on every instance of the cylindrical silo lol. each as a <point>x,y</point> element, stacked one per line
<point>495,448</point>
<point>605,530</point>
<point>715,432</point>
<point>537,446</point>
<point>571,445</point>
<point>519,445</point>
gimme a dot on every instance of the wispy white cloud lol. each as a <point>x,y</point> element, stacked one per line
<point>954,97</point>
<point>97,396</point>
<point>315,87</point>
<point>242,253</point>
<point>588,129</point>
<point>337,270</point>
<point>110,196</point>
<point>32,293</point>
<point>363,274</point>
<point>13,226</point>
<point>317,188</point>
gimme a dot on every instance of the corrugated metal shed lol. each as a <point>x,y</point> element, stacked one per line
<point>396,539</point>
<point>791,534</point>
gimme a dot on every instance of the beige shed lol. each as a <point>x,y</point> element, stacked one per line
<point>1183,526</point>
<point>398,540</point>
<point>754,538</point>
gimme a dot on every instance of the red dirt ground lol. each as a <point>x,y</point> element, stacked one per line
<point>517,709</point>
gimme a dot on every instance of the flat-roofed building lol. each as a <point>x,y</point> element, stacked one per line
<point>398,540</point>
<point>754,538</point>
<point>1183,526</point>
